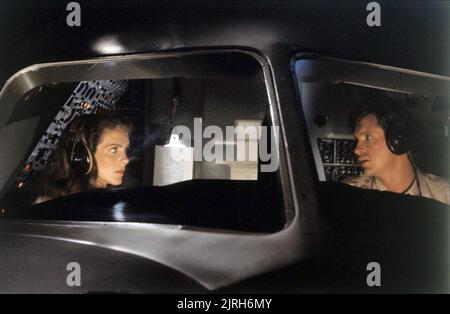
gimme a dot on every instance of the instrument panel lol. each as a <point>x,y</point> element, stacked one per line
<point>338,159</point>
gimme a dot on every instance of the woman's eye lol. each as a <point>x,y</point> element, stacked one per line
<point>368,138</point>
<point>113,150</point>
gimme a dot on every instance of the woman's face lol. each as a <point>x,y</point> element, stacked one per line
<point>111,156</point>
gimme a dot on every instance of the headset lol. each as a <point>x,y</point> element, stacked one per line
<point>398,134</point>
<point>80,158</point>
<point>399,140</point>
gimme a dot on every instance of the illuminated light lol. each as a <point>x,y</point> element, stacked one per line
<point>118,211</point>
<point>20,185</point>
<point>27,167</point>
<point>3,211</point>
<point>86,105</point>
<point>108,45</point>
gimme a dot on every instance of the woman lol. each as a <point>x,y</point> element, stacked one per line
<point>92,153</point>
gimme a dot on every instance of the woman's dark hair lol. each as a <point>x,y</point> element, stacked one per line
<point>60,177</point>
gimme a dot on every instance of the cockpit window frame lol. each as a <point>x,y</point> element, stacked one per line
<point>139,66</point>
<point>333,70</point>
<point>313,68</point>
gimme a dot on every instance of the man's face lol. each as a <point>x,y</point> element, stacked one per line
<point>371,148</point>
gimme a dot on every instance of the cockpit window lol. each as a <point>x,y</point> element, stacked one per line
<point>377,128</point>
<point>179,147</point>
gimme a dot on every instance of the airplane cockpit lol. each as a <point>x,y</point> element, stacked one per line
<point>363,223</point>
<point>197,147</point>
<point>195,139</point>
<point>329,98</point>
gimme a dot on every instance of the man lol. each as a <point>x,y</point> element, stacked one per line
<point>384,138</point>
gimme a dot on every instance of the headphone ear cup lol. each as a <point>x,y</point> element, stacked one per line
<point>81,158</point>
<point>397,140</point>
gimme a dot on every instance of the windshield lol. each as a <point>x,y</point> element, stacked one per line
<point>177,150</point>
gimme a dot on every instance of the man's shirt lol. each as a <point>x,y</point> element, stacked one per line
<point>426,185</point>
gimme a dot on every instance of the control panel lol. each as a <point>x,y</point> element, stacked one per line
<point>338,158</point>
<point>87,98</point>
